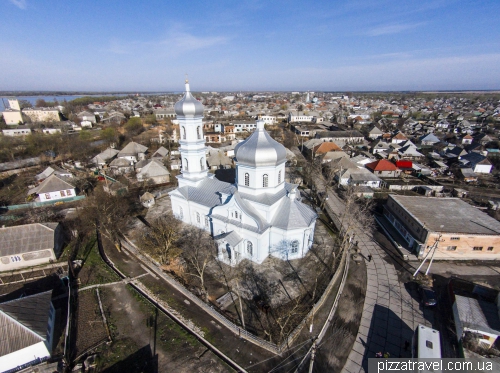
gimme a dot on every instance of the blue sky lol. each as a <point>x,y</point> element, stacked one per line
<point>249,45</point>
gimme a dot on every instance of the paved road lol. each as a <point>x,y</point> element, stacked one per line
<point>391,311</point>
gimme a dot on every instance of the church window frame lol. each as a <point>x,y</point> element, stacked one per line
<point>265,180</point>
<point>184,133</point>
<point>181,213</point>
<point>236,214</point>
<point>294,246</point>
<point>279,177</point>
<point>186,164</point>
<point>198,132</point>
<point>198,218</point>
<point>202,160</point>
<point>250,248</point>
<point>247,179</point>
<point>207,221</point>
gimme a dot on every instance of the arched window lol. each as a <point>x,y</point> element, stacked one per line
<point>181,213</point>
<point>265,181</point>
<point>184,133</point>
<point>236,214</point>
<point>249,248</point>
<point>294,247</point>
<point>186,166</point>
<point>198,132</point>
<point>279,177</point>
<point>206,221</point>
<point>202,161</point>
<point>247,179</point>
<point>198,218</point>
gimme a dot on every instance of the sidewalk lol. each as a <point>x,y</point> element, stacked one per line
<point>391,312</point>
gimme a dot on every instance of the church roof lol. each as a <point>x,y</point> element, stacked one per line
<point>268,199</point>
<point>188,106</point>
<point>293,214</point>
<point>207,193</point>
<point>260,149</point>
<point>232,238</point>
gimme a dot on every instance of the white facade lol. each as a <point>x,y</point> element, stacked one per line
<point>19,131</point>
<point>12,117</point>
<point>60,194</point>
<point>258,216</point>
<point>268,119</point>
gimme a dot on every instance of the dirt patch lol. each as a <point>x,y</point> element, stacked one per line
<point>90,328</point>
<point>341,335</point>
<point>147,338</point>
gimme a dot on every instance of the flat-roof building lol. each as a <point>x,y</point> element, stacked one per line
<point>464,232</point>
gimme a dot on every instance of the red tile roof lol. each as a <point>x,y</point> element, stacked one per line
<point>382,165</point>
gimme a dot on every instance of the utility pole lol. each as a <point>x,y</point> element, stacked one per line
<point>313,355</point>
<point>433,250</point>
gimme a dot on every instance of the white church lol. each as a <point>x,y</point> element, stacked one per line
<point>259,215</point>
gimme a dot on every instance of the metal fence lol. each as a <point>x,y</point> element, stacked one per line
<point>272,347</point>
<point>41,204</point>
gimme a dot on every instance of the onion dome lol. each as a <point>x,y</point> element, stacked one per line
<point>188,106</point>
<point>260,149</point>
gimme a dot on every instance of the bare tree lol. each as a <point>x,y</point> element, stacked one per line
<point>106,212</point>
<point>160,238</point>
<point>198,251</point>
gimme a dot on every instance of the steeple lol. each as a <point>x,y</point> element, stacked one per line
<point>192,141</point>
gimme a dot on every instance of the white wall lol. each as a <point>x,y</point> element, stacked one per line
<point>24,356</point>
<point>56,195</point>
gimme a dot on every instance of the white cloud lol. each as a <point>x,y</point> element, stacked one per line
<point>21,4</point>
<point>392,29</point>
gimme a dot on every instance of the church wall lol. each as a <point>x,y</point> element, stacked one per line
<point>256,179</point>
<point>282,242</point>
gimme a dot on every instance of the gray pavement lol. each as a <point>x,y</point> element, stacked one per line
<point>391,311</point>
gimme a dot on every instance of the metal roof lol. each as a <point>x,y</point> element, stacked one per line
<point>293,214</point>
<point>132,149</point>
<point>27,238</point>
<point>207,193</point>
<point>232,238</point>
<point>51,184</point>
<point>478,314</point>
<point>23,322</point>
<point>260,149</point>
<point>188,106</point>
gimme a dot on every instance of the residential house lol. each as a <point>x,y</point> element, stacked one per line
<point>468,175</point>
<point>87,119</point>
<point>27,331</point>
<point>375,133</point>
<point>102,159</point>
<point>29,245</point>
<point>17,131</point>
<point>429,139</point>
<point>133,152</point>
<point>399,138</point>
<point>477,162</point>
<point>384,168</point>
<point>53,170</point>
<point>147,200</point>
<point>120,166</point>
<point>53,188</point>
<point>467,139</point>
<point>154,172</point>
<point>160,153</point>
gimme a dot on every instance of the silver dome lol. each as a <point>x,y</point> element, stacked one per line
<point>260,149</point>
<point>188,106</point>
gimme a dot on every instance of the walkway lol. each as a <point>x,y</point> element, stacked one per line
<point>391,312</point>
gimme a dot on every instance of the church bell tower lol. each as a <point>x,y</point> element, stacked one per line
<point>192,141</point>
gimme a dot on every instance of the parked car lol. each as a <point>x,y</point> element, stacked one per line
<point>428,295</point>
